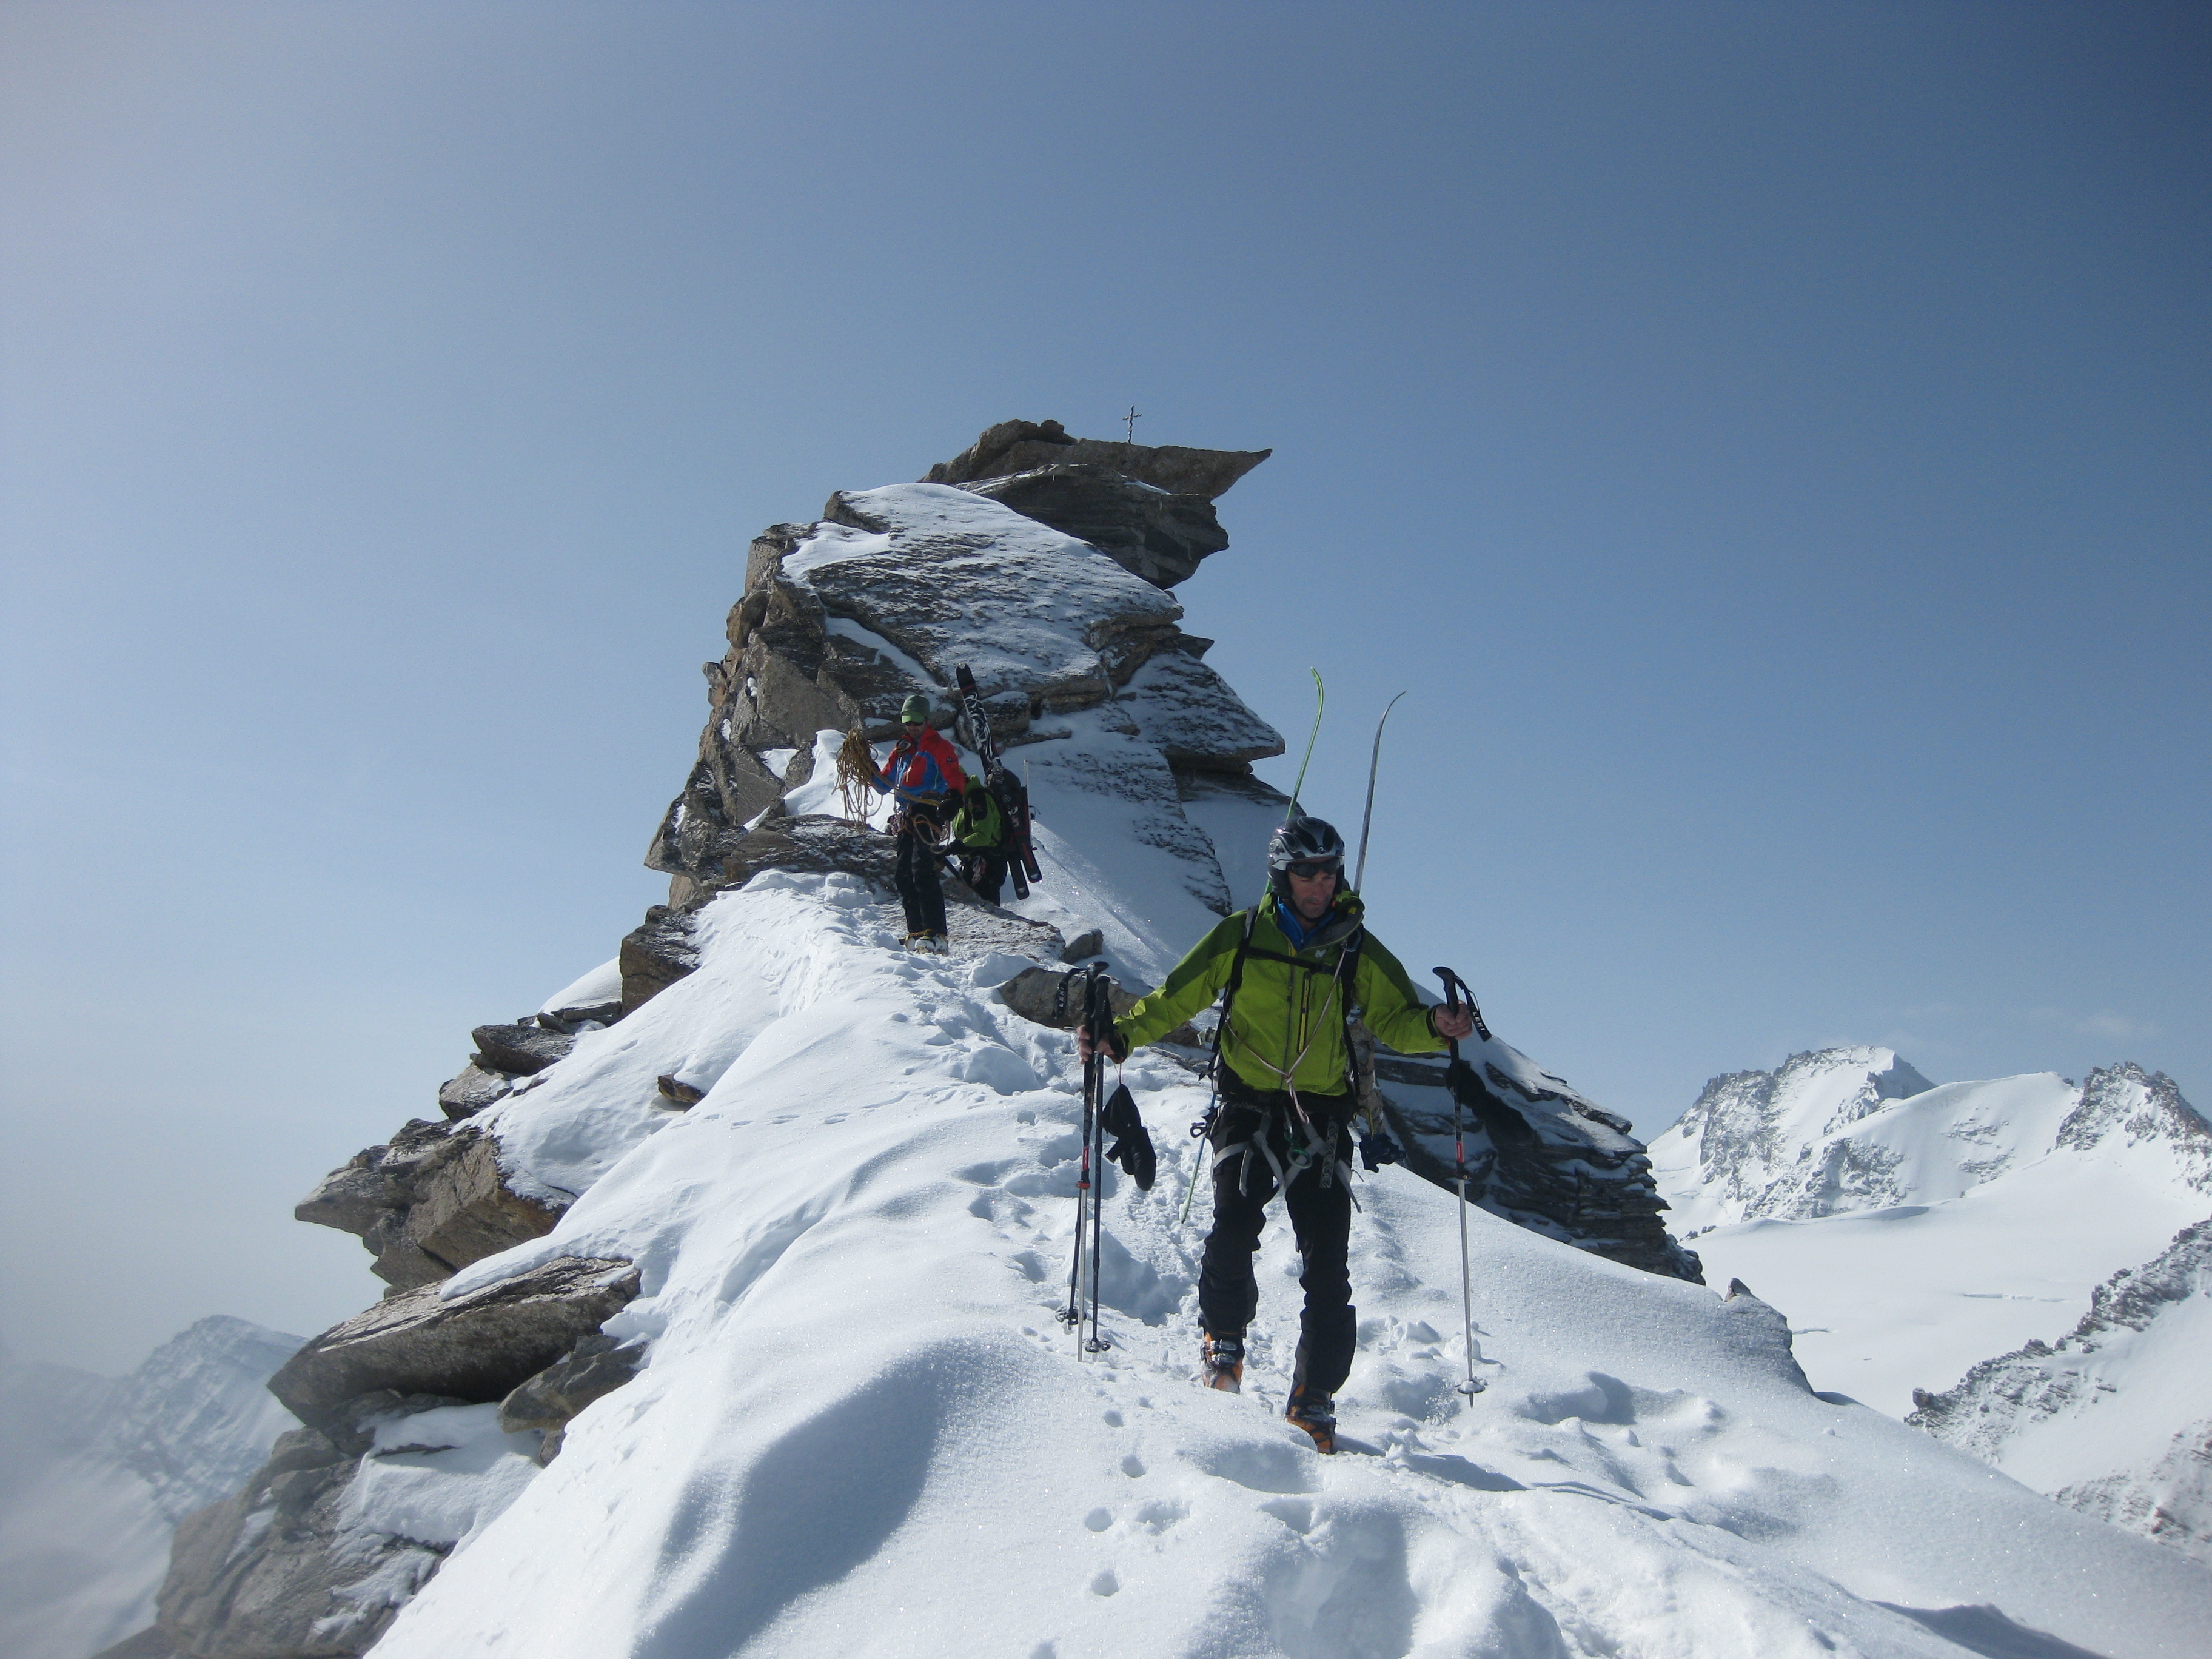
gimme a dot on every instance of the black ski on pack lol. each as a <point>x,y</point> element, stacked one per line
<point>1007,789</point>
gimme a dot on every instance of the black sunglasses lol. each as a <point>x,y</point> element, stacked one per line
<point>1311,869</point>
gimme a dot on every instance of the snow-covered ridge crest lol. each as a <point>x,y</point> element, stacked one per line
<point>859,1427</point>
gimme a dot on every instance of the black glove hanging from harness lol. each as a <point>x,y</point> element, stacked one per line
<point>1132,1146</point>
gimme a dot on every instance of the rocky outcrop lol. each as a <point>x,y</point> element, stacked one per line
<point>260,1575</point>
<point>1147,531</point>
<point>2126,1104</point>
<point>316,1554</point>
<point>475,1346</point>
<point>1539,1155</point>
<point>1189,713</point>
<point>594,1368</point>
<point>519,1051</point>
<point>843,619</point>
<point>655,955</point>
<point>1013,446</point>
<point>471,1090</point>
<point>426,1203</point>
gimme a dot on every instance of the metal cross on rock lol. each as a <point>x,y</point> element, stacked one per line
<point>1132,422</point>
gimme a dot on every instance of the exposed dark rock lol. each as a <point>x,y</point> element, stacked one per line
<point>274,1572</point>
<point>427,1204</point>
<point>596,1367</point>
<point>1014,447</point>
<point>473,1090</point>
<point>1084,946</point>
<point>681,1092</point>
<point>1147,532</point>
<point>1189,713</point>
<point>655,955</point>
<point>473,1347</point>
<point>2127,1102</point>
<point>575,1020</point>
<point>258,1576</point>
<point>2169,1498</point>
<point>939,565</point>
<point>521,1050</point>
<point>1543,1158</point>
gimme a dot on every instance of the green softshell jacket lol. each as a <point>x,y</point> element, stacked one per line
<point>1281,1011</point>
<point>979,824</point>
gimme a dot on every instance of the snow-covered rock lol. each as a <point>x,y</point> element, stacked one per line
<point>94,1475</point>
<point>2115,1418</point>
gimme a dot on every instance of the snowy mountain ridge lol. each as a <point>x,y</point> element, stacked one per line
<point>99,1472</point>
<point>725,1308</point>
<point>1911,1237</point>
<point>2092,1419</point>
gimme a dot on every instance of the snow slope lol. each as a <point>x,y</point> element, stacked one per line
<point>860,1428</point>
<point>1909,1230</point>
<point>97,1474</point>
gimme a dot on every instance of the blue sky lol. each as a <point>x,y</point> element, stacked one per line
<point>1769,441</point>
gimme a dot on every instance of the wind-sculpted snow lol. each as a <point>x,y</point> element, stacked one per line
<point>859,1427</point>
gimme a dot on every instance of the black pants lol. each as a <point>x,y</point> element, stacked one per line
<point>986,873</point>
<point>1321,1217</point>
<point>918,889</point>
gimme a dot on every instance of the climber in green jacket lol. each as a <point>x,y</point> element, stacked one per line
<point>1296,968</point>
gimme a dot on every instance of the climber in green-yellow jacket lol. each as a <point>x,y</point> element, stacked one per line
<point>1296,969</point>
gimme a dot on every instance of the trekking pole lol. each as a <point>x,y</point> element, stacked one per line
<point>1071,1315</point>
<point>1100,1013</point>
<point>1454,985</point>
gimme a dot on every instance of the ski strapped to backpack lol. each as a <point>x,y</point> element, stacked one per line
<point>1013,798</point>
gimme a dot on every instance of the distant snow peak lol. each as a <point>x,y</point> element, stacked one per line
<point>196,1418</point>
<point>2131,1105</point>
<point>1761,1140</point>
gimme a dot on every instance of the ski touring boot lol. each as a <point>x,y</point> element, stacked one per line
<point>1316,1412</point>
<point>1221,1363</point>
<point>925,943</point>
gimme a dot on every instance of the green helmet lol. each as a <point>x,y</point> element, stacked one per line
<point>916,708</point>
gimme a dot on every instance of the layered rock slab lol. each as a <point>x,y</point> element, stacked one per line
<point>475,1346</point>
<point>1013,446</point>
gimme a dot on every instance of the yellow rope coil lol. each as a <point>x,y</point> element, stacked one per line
<point>856,772</point>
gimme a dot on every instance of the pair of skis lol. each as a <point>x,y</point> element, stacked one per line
<point>1013,798</point>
